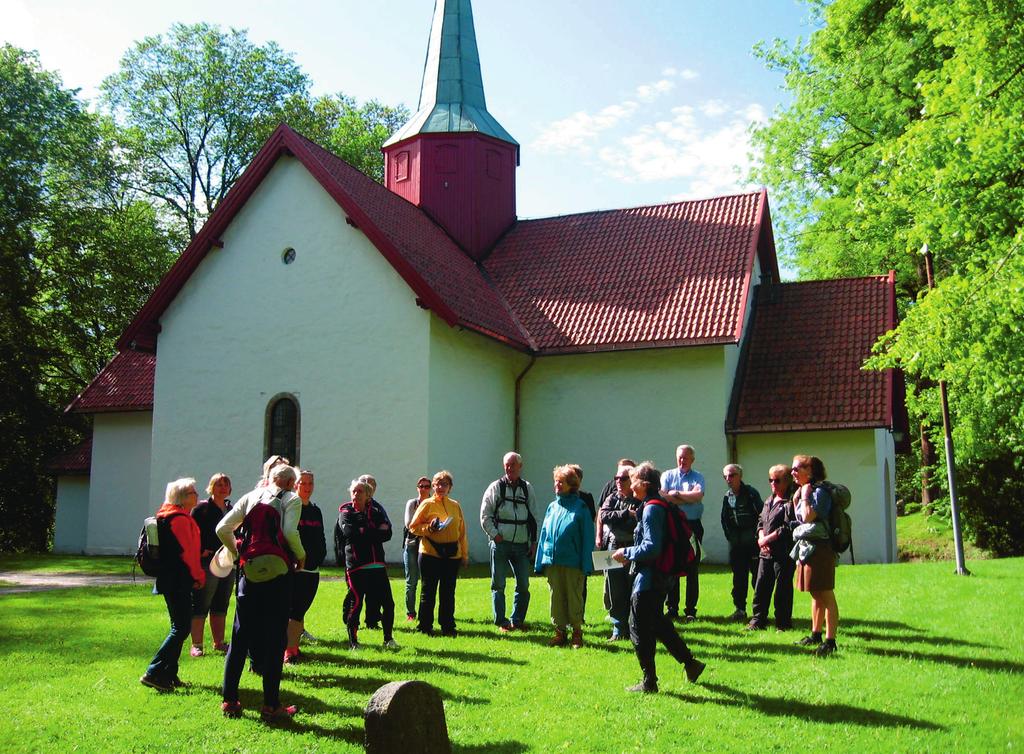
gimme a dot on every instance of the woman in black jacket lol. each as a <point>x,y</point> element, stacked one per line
<point>306,581</point>
<point>359,536</point>
<point>775,566</point>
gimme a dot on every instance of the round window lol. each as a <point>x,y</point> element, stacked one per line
<point>288,255</point>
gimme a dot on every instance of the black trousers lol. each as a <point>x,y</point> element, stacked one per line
<point>437,579</point>
<point>692,581</point>
<point>261,625</point>
<point>648,625</point>
<point>364,585</point>
<point>774,574</point>
<point>743,562</point>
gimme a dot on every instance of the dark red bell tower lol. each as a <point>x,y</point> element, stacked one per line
<point>453,159</point>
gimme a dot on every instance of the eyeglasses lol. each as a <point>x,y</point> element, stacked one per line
<point>623,478</point>
<point>424,485</point>
<point>797,468</point>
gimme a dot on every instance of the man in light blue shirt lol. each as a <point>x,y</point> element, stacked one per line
<point>685,487</point>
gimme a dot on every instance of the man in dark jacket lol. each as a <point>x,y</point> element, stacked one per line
<point>741,508</point>
<point>619,514</point>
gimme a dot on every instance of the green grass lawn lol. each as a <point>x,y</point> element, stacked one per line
<point>927,662</point>
<point>48,563</point>
<point>923,537</point>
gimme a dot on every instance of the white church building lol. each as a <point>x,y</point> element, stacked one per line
<point>405,328</point>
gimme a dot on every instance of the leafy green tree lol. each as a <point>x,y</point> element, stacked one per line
<point>197,103</point>
<point>78,256</point>
<point>352,131</point>
<point>905,130</point>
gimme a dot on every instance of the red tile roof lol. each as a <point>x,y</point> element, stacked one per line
<point>802,365</point>
<point>76,461</point>
<point>124,384</point>
<point>672,274</point>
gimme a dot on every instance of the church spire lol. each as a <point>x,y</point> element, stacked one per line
<point>452,93</point>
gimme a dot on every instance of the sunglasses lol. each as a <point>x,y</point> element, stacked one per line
<point>424,486</point>
<point>623,478</point>
<point>775,481</point>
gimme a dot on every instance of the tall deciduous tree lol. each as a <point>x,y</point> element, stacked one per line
<point>77,257</point>
<point>197,104</point>
<point>905,129</point>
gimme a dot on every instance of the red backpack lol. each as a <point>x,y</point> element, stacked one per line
<point>263,554</point>
<point>677,553</point>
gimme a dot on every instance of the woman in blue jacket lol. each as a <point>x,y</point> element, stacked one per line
<point>564,555</point>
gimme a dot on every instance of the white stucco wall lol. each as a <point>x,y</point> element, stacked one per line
<point>120,496</point>
<point>593,409</point>
<point>338,329</point>
<point>71,518</point>
<point>472,409</point>
<point>863,460</point>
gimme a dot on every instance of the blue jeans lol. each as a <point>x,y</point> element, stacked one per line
<point>410,558</point>
<point>503,556</point>
<point>165,662</point>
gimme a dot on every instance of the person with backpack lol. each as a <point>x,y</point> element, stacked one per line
<point>215,596</point>
<point>648,623</point>
<point>507,518</point>
<point>269,550</point>
<point>411,547</point>
<point>306,581</point>
<point>775,568</point>
<point>619,514</point>
<point>741,507</point>
<point>359,535</point>
<point>816,560</point>
<point>179,575</point>
<point>564,555</point>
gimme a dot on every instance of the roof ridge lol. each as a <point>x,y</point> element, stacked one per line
<point>640,206</point>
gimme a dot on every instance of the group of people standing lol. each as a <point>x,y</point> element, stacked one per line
<point>769,541</point>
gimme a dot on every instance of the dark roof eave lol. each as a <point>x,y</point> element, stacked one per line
<point>808,427</point>
<point>108,409</point>
<point>722,340</point>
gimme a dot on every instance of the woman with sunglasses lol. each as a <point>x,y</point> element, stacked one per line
<point>816,561</point>
<point>775,567</point>
<point>411,547</point>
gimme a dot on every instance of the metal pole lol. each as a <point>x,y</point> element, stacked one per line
<point>954,509</point>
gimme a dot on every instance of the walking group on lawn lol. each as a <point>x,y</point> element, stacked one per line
<point>647,530</point>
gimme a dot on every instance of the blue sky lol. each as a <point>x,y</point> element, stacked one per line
<point>614,103</point>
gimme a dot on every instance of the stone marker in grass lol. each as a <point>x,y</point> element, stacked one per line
<point>407,717</point>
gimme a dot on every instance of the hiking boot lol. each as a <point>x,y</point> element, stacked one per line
<point>280,712</point>
<point>754,626</point>
<point>306,635</point>
<point>450,632</point>
<point>519,627</point>
<point>689,617</point>
<point>738,615</point>
<point>558,640</point>
<point>810,641</point>
<point>643,688</point>
<point>178,683</point>
<point>577,638</point>
<point>196,651</point>
<point>156,683</point>
<point>826,648</point>
<point>506,628</point>
<point>693,670</point>
<point>391,644</point>
<point>231,709</point>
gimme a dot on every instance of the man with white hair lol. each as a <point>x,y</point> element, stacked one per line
<point>684,486</point>
<point>269,520</point>
<point>508,519</point>
<point>741,511</point>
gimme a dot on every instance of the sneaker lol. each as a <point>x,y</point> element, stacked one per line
<point>307,636</point>
<point>689,617</point>
<point>196,651</point>
<point>693,670</point>
<point>427,630</point>
<point>372,626</point>
<point>156,683</point>
<point>784,627</point>
<point>754,626</point>
<point>451,632</point>
<point>826,648</point>
<point>810,641</point>
<point>353,644</point>
<point>231,709</point>
<point>391,644</point>
<point>280,712</point>
<point>506,628</point>
<point>519,627</point>
<point>643,688</point>
<point>222,647</point>
<point>409,617</point>
<point>291,658</point>
<point>738,615</point>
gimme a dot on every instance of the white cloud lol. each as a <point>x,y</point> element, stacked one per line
<point>714,108</point>
<point>684,73</point>
<point>580,129</point>
<point>650,92</point>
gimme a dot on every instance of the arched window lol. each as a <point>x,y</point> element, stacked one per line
<point>282,435</point>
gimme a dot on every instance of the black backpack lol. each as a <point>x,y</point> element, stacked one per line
<point>678,553</point>
<point>531,522</point>
<point>147,554</point>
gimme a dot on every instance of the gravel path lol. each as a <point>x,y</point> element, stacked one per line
<point>12,582</point>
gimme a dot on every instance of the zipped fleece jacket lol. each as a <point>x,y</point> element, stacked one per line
<point>179,560</point>
<point>361,535</point>
<point>566,536</point>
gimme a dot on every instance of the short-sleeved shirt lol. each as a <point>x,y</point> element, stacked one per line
<point>675,480</point>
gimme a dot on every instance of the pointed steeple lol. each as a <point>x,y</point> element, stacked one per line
<point>452,93</point>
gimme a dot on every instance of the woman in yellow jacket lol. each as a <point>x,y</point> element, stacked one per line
<point>441,527</point>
